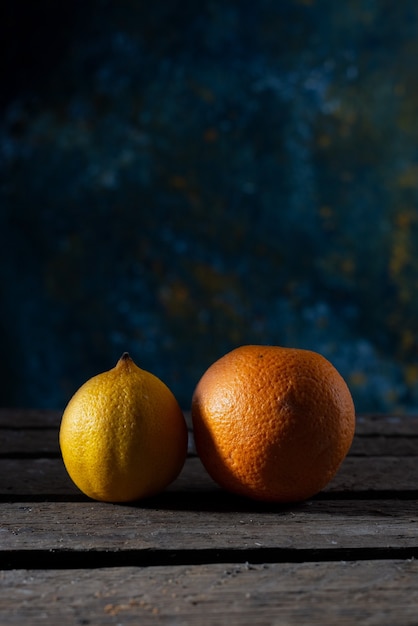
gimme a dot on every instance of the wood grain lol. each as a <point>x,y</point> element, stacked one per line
<point>47,478</point>
<point>43,443</point>
<point>197,555</point>
<point>162,525</point>
<point>30,418</point>
<point>34,434</point>
<point>380,424</point>
<point>244,594</point>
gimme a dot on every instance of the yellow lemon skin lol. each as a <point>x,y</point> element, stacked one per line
<point>123,436</point>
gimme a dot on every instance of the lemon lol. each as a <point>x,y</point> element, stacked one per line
<point>123,436</point>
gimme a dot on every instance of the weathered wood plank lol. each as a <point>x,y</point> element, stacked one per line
<point>387,425</point>
<point>40,418</point>
<point>43,442</point>
<point>33,442</point>
<point>370,508</point>
<point>384,445</point>
<point>29,418</point>
<point>161,524</point>
<point>365,424</point>
<point>47,478</point>
<point>38,443</point>
<point>369,592</point>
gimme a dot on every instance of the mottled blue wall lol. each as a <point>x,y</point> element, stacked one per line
<point>179,178</point>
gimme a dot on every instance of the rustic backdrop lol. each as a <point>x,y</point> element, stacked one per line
<point>179,178</point>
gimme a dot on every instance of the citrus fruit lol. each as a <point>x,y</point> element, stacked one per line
<point>123,435</point>
<point>272,423</point>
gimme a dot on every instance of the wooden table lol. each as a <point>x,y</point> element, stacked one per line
<point>196,555</point>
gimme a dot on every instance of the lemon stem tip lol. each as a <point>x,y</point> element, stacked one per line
<point>125,359</point>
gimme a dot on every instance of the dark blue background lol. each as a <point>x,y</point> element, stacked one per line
<point>179,178</point>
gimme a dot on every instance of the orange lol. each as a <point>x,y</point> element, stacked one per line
<point>272,423</point>
<point>123,435</point>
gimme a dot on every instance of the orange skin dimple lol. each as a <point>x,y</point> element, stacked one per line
<point>272,423</point>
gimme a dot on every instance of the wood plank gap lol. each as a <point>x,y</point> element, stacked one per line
<point>364,455</point>
<point>30,455</point>
<point>49,454</point>
<point>382,435</point>
<point>382,494</point>
<point>203,501</point>
<point>29,429</point>
<point>67,560</point>
<point>44,497</point>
